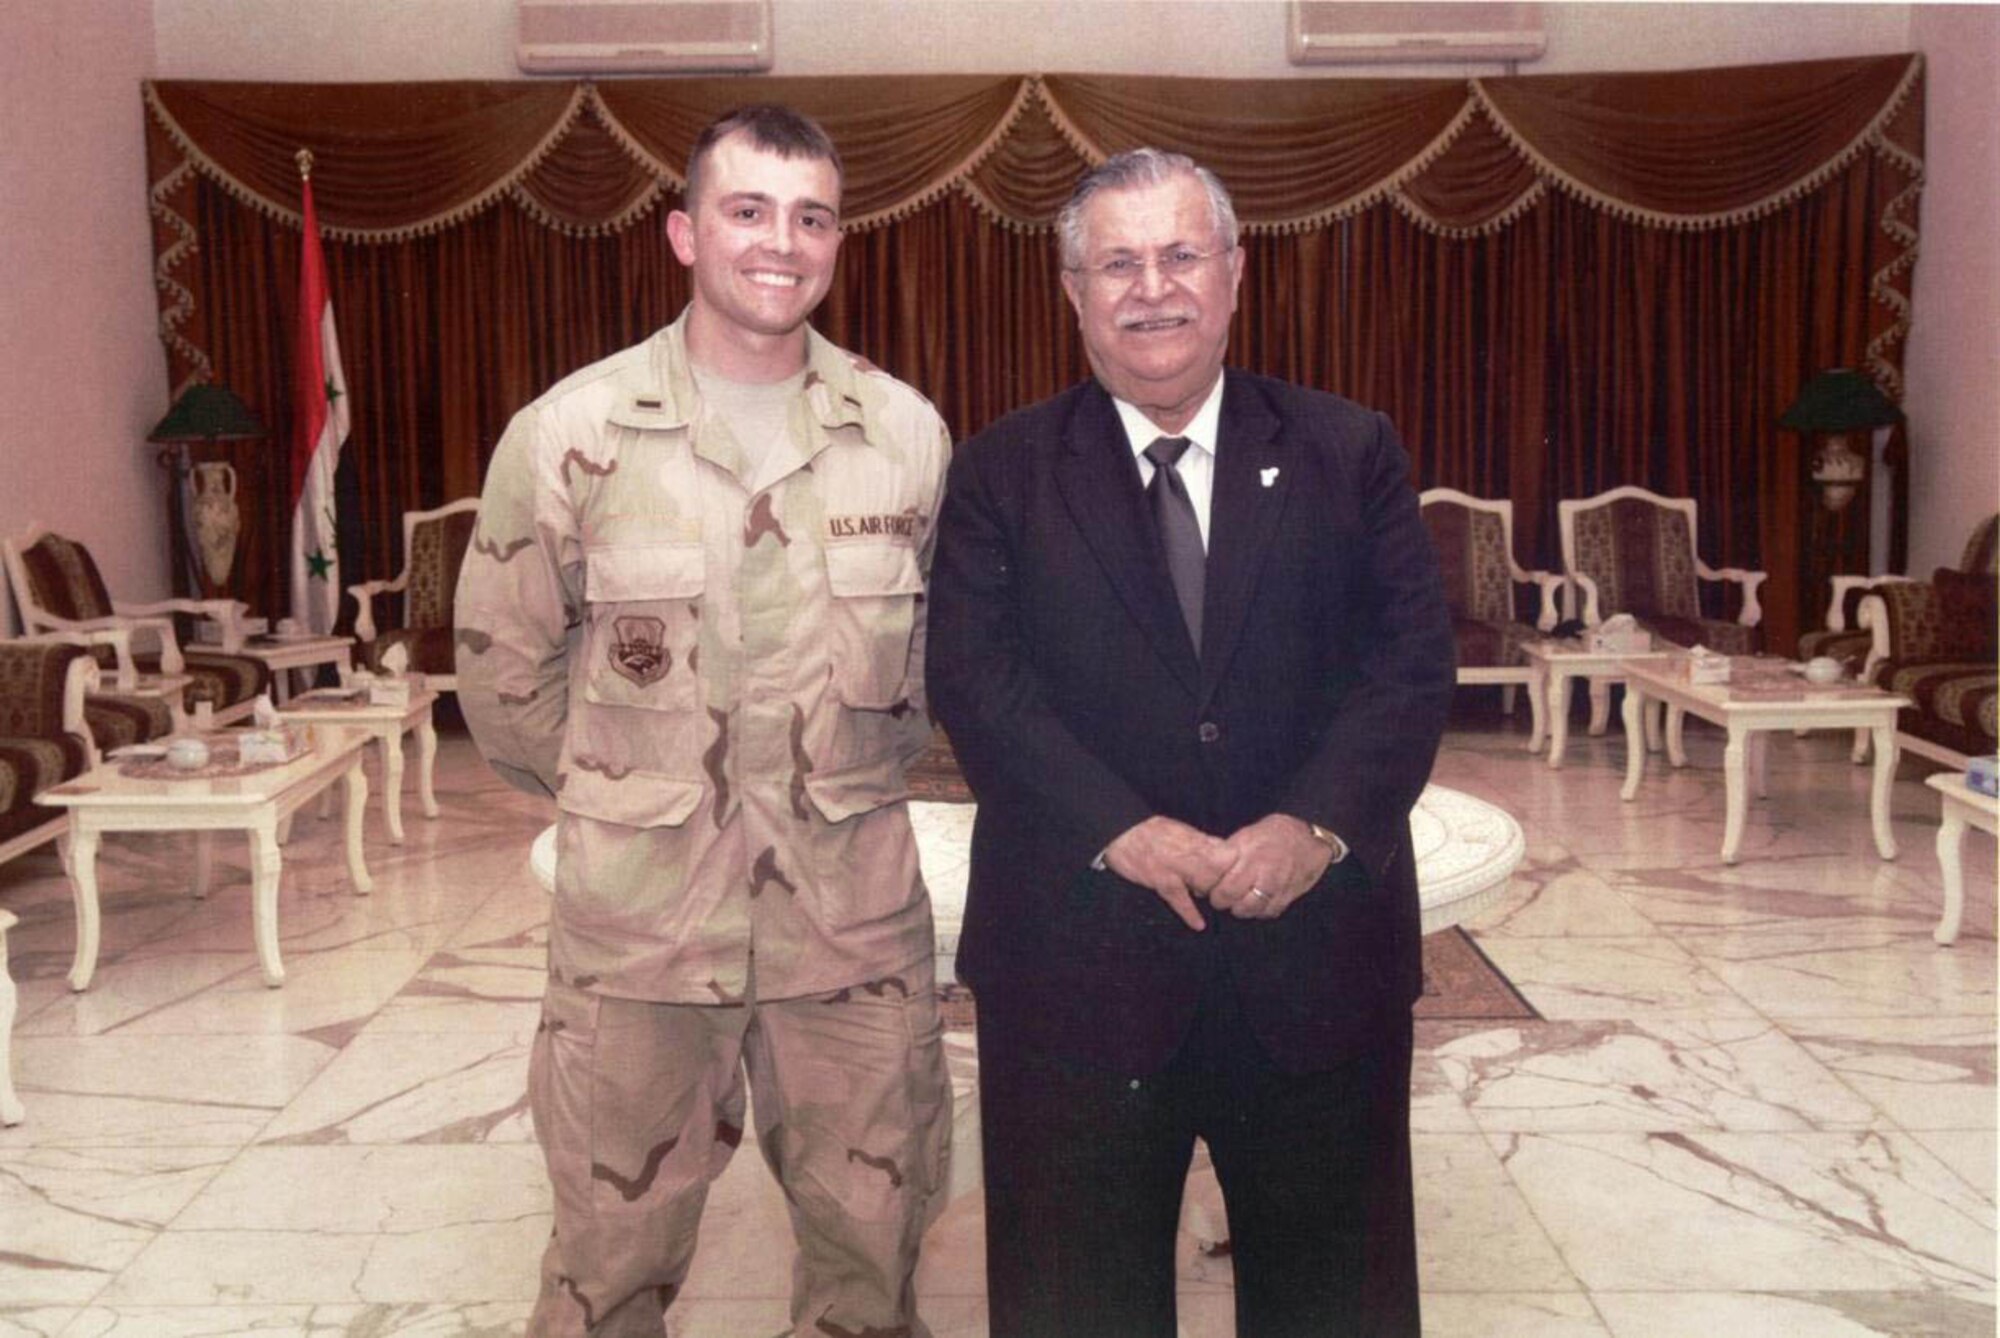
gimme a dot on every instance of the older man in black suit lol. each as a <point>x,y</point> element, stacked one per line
<point>1188,640</point>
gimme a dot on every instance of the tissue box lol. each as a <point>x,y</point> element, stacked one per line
<point>1627,641</point>
<point>1983,775</point>
<point>389,691</point>
<point>208,632</point>
<point>1706,668</point>
<point>255,747</point>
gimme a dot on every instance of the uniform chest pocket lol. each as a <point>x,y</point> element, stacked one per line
<point>645,621</point>
<point>875,588</point>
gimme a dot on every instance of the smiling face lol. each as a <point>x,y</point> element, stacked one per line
<point>1154,341</point>
<point>760,241</point>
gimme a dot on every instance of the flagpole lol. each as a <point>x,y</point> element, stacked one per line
<point>320,426</point>
<point>287,507</point>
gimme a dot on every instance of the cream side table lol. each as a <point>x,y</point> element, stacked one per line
<point>1962,807</point>
<point>10,1105</point>
<point>1746,711</point>
<point>386,725</point>
<point>285,654</point>
<point>107,799</point>
<point>1551,667</point>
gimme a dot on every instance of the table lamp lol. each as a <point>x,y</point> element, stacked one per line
<point>1835,404</point>
<point>203,514</point>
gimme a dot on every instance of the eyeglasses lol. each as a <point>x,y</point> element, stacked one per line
<point>1175,263</point>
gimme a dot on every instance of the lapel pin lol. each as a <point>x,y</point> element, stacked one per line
<point>1269,476</point>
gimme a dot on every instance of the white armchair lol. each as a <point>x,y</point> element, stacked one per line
<point>1630,550</point>
<point>1474,540</point>
<point>1633,551</point>
<point>434,544</point>
<point>57,588</point>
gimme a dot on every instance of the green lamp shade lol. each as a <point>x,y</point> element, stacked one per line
<point>1840,401</point>
<point>207,413</point>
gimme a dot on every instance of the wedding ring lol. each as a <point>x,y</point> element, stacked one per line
<point>1260,892</point>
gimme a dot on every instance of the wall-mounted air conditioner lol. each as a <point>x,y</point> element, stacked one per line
<point>643,36</point>
<point>1335,32</point>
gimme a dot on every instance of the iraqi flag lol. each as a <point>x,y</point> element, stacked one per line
<point>319,426</point>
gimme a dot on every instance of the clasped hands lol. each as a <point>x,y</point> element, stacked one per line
<point>1255,873</point>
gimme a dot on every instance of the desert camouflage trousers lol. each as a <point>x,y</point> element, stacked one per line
<point>639,1105</point>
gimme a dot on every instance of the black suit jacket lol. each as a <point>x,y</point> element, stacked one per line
<point>1064,675</point>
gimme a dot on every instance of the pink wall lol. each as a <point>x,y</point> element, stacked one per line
<point>1953,396</point>
<point>81,375</point>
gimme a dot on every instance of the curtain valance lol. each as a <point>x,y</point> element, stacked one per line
<point>1552,284</point>
<point>1689,149</point>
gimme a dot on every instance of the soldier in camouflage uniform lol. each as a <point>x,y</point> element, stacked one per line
<point>693,613</point>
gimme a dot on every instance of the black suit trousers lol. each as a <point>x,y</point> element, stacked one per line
<point>1085,1169</point>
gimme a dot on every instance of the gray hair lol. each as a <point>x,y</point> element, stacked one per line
<point>1141,167</point>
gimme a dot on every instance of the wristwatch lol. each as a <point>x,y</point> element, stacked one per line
<point>1331,841</point>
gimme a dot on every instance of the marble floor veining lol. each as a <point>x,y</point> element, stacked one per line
<point>1761,1100</point>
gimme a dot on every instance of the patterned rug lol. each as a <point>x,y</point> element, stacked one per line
<point>1460,982</point>
<point>934,775</point>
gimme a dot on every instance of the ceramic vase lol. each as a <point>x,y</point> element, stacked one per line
<point>216,523</point>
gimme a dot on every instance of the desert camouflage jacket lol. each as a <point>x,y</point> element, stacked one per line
<point>720,687</point>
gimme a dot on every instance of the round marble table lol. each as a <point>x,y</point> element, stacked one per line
<point>1465,848</point>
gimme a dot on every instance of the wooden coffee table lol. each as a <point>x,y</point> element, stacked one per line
<point>386,725</point>
<point>1961,807</point>
<point>128,796</point>
<point>1552,664</point>
<point>1747,710</point>
<point>284,655</point>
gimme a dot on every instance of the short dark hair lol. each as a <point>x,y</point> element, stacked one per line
<point>773,128</point>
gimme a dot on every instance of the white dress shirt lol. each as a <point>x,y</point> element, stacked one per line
<point>1197,464</point>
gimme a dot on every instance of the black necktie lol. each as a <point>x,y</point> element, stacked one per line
<point>1180,532</point>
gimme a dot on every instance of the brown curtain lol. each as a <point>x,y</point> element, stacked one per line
<point>1553,284</point>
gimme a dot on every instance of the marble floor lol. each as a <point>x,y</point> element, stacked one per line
<point>1762,1101</point>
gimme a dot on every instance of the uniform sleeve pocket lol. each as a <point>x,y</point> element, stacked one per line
<point>866,570</point>
<point>629,798</point>
<point>875,588</point>
<point>644,615</point>
<point>638,573</point>
<point>863,856</point>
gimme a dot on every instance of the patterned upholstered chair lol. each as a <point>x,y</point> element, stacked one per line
<point>1937,642</point>
<point>1486,587</point>
<point>42,743</point>
<point>57,588</point>
<point>434,544</point>
<point>1633,551</point>
<point>1843,638</point>
<point>114,719</point>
